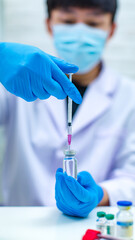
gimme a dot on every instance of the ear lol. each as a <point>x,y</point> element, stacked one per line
<point>48,25</point>
<point>113,29</point>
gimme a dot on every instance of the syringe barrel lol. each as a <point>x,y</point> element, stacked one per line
<point>69,110</point>
<point>70,103</point>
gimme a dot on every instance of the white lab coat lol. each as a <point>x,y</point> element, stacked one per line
<point>103,137</point>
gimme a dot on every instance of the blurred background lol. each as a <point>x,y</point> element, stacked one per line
<point>23,21</point>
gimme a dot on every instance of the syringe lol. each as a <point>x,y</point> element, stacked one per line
<point>69,116</point>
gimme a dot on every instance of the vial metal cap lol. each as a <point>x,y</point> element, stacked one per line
<point>69,152</point>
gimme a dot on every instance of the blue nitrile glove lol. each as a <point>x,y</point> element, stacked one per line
<point>29,73</point>
<point>77,198</point>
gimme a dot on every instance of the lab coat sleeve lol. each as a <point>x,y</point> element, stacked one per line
<point>4,105</point>
<point>121,182</point>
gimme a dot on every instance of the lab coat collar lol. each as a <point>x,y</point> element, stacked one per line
<point>107,81</point>
<point>97,99</point>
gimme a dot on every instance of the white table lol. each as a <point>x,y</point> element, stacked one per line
<point>44,223</point>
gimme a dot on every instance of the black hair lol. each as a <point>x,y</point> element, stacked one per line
<point>107,6</point>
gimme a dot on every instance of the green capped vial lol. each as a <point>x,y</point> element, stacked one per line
<point>110,224</point>
<point>100,222</point>
<point>125,220</point>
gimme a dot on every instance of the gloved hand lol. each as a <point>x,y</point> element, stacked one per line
<point>29,73</point>
<point>77,198</point>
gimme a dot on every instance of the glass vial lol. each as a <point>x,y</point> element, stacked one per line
<point>125,220</point>
<point>100,222</point>
<point>110,224</point>
<point>70,163</point>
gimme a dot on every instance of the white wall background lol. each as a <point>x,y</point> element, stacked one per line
<point>23,21</point>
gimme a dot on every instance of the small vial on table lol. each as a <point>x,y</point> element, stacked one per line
<point>124,220</point>
<point>110,224</point>
<point>100,222</point>
<point>70,163</point>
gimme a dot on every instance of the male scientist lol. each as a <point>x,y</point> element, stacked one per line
<point>103,125</point>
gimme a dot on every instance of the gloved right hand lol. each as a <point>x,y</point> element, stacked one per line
<point>29,73</point>
<point>77,197</point>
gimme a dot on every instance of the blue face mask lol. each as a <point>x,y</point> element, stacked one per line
<point>79,44</point>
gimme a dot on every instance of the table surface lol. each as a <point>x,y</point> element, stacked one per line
<point>47,223</point>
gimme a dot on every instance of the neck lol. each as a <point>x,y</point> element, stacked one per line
<point>85,79</point>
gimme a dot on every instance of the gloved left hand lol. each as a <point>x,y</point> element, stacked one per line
<point>77,197</point>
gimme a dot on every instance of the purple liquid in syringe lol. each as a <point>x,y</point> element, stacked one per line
<point>69,139</point>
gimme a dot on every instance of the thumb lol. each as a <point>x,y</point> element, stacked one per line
<point>77,190</point>
<point>85,179</point>
<point>64,66</point>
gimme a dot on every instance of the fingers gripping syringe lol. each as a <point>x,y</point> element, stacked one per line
<point>70,116</point>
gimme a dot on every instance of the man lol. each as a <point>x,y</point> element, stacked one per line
<point>103,125</point>
<point>101,132</point>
